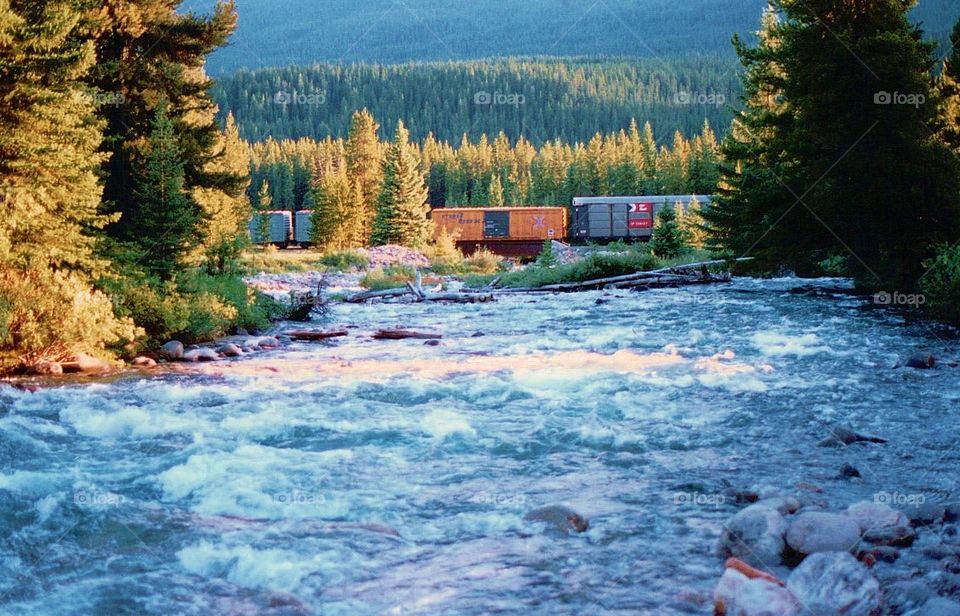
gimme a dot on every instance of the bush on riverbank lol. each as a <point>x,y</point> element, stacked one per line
<point>941,285</point>
<point>595,265</point>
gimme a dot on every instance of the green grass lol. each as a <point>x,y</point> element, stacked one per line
<point>271,260</point>
<point>390,277</point>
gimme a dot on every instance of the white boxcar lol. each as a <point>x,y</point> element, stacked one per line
<point>628,218</point>
<point>303,227</point>
<point>280,229</point>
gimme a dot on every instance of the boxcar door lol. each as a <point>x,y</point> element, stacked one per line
<point>496,224</point>
<point>619,221</point>
<point>599,220</point>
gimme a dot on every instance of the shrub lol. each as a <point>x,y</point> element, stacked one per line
<point>483,261</point>
<point>669,239</point>
<point>941,284</point>
<point>445,257</point>
<point>45,315</point>
<point>344,260</point>
<point>547,256</point>
<point>597,265</point>
<point>391,277</point>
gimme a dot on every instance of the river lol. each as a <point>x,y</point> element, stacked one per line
<point>392,477</point>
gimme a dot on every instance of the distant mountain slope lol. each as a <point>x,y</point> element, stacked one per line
<point>287,32</point>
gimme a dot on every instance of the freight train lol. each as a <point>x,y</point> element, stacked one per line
<point>516,231</point>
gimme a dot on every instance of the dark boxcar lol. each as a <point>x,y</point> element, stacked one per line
<point>280,228</point>
<point>303,227</point>
<point>508,231</point>
<point>623,218</point>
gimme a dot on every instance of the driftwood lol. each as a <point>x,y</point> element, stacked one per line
<point>400,334</point>
<point>420,295</point>
<point>314,336</point>
<point>692,273</point>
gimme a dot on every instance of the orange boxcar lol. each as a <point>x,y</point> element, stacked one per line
<point>509,231</point>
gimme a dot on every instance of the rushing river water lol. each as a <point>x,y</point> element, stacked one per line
<point>391,477</point>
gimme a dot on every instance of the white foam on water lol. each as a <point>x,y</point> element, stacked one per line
<point>774,344</point>
<point>246,566</point>
<point>442,423</point>
<point>30,482</point>
<point>130,422</point>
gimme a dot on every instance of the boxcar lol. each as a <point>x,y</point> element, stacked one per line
<point>303,227</point>
<point>508,231</point>
<point>280,230</point>
<point>626,218</point>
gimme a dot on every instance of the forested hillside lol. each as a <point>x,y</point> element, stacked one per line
<point>539,100</point>
<point>285,32</point>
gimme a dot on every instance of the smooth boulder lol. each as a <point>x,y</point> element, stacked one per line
<point>835,584</point>
<point>739,595</point>
<point>46,368</point>
<point>817,531</point>
<point>921,361</point>
<point>754,535</point>
<point>144,362</point>
<point>201,354</point>
<point>230,350</point>
<point>172,351</point>
<point>86,364</point>
<point>871,515</point>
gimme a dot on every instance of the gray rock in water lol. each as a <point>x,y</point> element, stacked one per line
<point>87,364</point>
<point>558,517</point>
<point>172,351</point>
<point>938,606</point>
<point>921,361</point>
<point>926,513</point>
<point>230,350</point>
<point>848,471</point>
<point>951,513</point>
<point>783,504</point>
<point>840,436</point>
<point>906,595</point>
<point>835,584</point>
<point>201,354</point>
<point>898,536</point>
<point>46,368</point>
<point>755,536</point>
<point>870,515</point>
<point>144,362</point>
<point>815,531</point>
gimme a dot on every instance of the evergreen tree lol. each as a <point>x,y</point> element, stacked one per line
<point>166,212</point>
<point>949,86</point>
<point>49,189</point>
<point>337,222</point>
<point>496,192</point>
<point>693,225</point>
<point>262,212</point>
<point>365,162</point>
<point>402,207</point>
<point>669,239</point>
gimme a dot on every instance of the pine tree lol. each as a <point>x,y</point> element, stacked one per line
<point>262,212</point>
<point>669,239</point>
<point>167,214</point>
<point>402,207</point>
<point>365,163</point>
<point>49,189</point>
<point>496,192</point>
<point>693,225</point>
<point>949,87</point>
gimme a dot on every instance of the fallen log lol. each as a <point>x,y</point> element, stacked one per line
<point>315,336</point>
<point>401,334</point>
<point>681,274</point>
<point>458,298</point>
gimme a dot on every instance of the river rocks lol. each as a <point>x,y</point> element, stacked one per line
<point>46,368</point>
<point>432,343</point>
<point>878,553</point>
<point>754,535</point>
<point>834,583</point>
<point>816,531</point>
<point>201,354</point>
<point>848,471</point>
<point>937,606</point>
<point>951,513</point>
<point>898,536</point>
<point>926,513</point>
<point>559,518</point>
<point>391,254</point>
<point>840,436</point>
<point>921,361</point>
<point>268,342</point>
<point>172,351</point>
<point>86,364</point>
<point>906,596</point>
<point>872,516</point>
<point>739,595</point>
<point>144,362</point>
<point>230,350</point>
